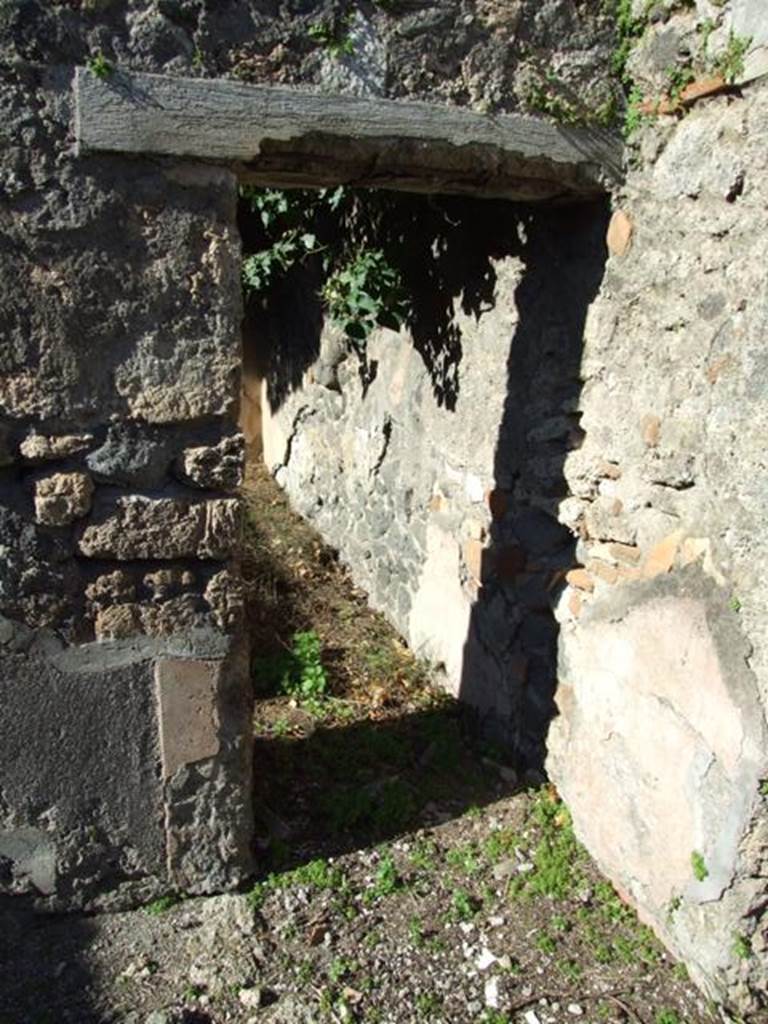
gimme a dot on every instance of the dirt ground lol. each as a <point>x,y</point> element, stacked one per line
<point>407,873</point>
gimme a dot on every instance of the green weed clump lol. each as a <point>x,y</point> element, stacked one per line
<point>700,870</point>
<point>557,855</point>
<point>297,672</point>
<point>99,66</point>
<point>333,36</point>
<point>730,64</point>
<point>366,292</point>
<point>317,874</point>
<point>162,904</point>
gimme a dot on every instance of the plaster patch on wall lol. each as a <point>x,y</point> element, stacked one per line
<point>440,598</point>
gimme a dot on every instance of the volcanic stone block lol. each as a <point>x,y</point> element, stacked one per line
<point>62,498</point>
<point>44,448</point>
<point>81,814</point>
<point>217,467</point>
<point>136,527</point>
<point>133,455</point>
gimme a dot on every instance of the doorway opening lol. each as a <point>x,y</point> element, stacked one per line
<point>428,453</point>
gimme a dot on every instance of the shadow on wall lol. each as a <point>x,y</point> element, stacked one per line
<point>445,248</point>
<point>509,667</point>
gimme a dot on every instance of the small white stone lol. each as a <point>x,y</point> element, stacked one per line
<point>491,993</point>
<point>531,1017</point>
<point>485,959</point>
<point>250,997</point>
<point>575,1010</point>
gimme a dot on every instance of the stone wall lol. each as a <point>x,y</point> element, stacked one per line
<point>436,468</point>
<point>124,752</point>
<point>596,493</point>
<point>660,748</point>
<point>125,748</point>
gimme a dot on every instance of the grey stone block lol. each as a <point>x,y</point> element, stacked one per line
<point>133,455</point>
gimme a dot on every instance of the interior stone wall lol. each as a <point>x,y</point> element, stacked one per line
<point>435,466</point>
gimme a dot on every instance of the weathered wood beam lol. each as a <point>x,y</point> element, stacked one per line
<point>296,137</point>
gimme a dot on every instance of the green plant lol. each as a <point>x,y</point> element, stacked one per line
<point>340,968</point>
<point>308,678</point>
<point>304,972</point>
<point>667,1017</point>
<point>706,29</point>
<point>680,971</point>
<point>333,36</point>
<point>673,906</point>
<point>162,904</point>
<point>571,970</point>
<point>423,855</point>
<point>634,116</point>
<point>362,288</point>
<point>287,218</point>
<point>260,267</point>
<point>428,1004</point>
<point>700,871</point>
<point>741,946</point>
<point>297,672</point>
<point>557,855</point>
<point>735,604</point>
<point>500,843</point>
<point>628,29</point>
<point>463,905</point>
<point>763,789</point>
<point>545,943</point>
<point>317,874</point>
<point>610,903</point>
<point>677,79</point>
<point>493,1017</point>
<point>730,63</point>
<point>366,292</point>
<point>99,66</point>
<point>547,96</point>
<point>280,727</point>
<point>386,881</point>
<point>416,931</point>
<point>192,992</point>
<point>464,859</point>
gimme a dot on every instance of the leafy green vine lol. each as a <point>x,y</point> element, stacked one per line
<point>362,289</point>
